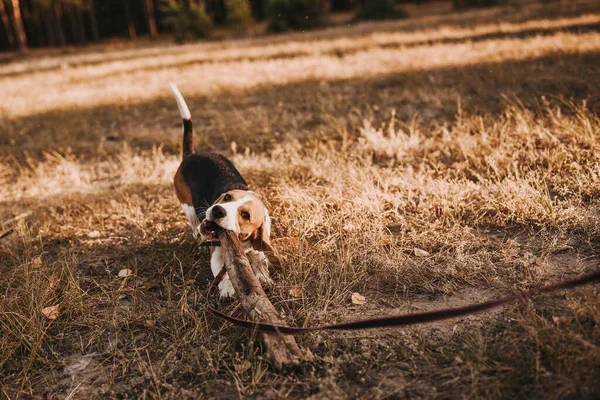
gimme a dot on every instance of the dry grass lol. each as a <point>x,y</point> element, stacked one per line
<point>97,85</point>
<point>477,144</point>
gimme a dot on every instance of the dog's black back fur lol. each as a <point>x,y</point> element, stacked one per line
<point>208,176</point>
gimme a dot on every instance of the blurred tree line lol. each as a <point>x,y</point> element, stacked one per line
<point>36,23</point>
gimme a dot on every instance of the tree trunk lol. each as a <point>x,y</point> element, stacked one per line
<point>149,11</point>
<point>80,27</point>
<point>48,22</point>
<point>17,22</point>
<point>76,24</point>
<point>130,22</point>
<point>38,28</point>
<point>6,24</point>
<point>282,350</point>
<point>58,30</point>
<point>91,5</point>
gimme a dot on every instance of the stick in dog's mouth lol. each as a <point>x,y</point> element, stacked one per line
<point>210,226</point>
<point>209,230</point>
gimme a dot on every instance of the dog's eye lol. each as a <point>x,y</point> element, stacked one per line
<point>227,197</point>
<point>245,214</point>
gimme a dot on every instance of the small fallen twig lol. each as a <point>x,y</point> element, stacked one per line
<point>10,221</point>
<point>15,219</point>
<point>7,233</point>
<point>281,350</point>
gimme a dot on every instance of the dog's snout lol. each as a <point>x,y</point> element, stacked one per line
<point>218,212</point>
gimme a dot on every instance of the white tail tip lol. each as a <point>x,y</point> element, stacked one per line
<point>183,108</point>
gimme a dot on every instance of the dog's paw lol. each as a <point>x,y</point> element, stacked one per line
<point>226,289</point>
<point>264,278</point>
<point>260,266</point>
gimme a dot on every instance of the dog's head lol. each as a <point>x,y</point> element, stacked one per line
<point>240,211</point>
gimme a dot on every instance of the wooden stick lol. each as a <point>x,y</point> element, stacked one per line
<point>8,232</point>
<point>282,350</point>
<point>15,219</point>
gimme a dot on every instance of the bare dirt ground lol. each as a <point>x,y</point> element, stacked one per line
<point>445,159</point>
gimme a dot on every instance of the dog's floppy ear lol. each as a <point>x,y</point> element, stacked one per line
<point>261,241</point>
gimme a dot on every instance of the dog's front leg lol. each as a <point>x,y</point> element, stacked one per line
<point>216,265</point>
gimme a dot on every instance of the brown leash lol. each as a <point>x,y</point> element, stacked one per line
<point>400,320</point>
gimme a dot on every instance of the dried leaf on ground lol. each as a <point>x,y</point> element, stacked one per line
<point>36,262</point>
<point>349,227</point>
<point>420,252</point>
<point>50,312</point>
<point>358,299</point>
<point>125,273</point>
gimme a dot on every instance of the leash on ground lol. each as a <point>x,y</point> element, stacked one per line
<point>399,320</point>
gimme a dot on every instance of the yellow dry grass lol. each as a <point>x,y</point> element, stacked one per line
<point>422,163</point>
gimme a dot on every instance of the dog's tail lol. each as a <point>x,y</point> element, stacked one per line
<point>188,130</point>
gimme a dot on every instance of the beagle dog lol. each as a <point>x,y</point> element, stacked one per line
<point>213,193</point>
